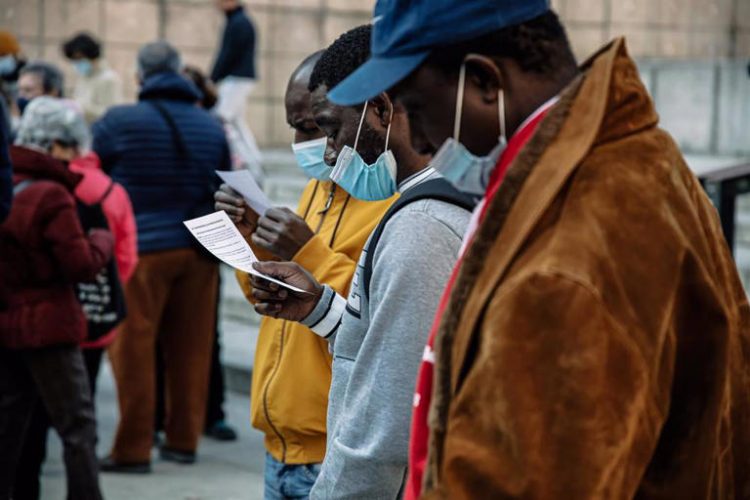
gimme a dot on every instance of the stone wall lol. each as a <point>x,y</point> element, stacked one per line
<point>288,30</point>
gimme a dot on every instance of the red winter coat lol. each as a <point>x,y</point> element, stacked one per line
<point>44,252</point>
<point>95,188</point>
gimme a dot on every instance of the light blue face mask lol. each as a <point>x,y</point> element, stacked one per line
<point>83,67</point>
<point>7,65</point>
<point>466,171</point>
<point>363,181</point>
<point>309,155</point>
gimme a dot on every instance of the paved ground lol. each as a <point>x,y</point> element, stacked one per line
<point>225,471</point>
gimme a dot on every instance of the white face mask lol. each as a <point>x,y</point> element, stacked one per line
<point>466,171</point>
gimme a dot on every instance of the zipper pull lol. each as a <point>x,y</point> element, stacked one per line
<point>329,201</point>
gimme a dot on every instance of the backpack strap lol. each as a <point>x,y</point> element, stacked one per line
<point>176,135</point>
<point>436,189</point>
<point>106,193</point>
<point>184,154</point>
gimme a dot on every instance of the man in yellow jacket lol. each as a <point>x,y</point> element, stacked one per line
<point>292,370</point>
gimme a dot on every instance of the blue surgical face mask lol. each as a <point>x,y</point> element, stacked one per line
<point>466,171</point>
<point>83,67</point>
<point>7,65</point>
<point>309,155</point>
<point>363,181</point>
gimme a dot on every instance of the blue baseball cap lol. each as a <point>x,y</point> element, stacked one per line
<point>404,32</point>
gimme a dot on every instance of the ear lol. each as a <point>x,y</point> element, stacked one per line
<point>382,106</point>
<point>484,73</point>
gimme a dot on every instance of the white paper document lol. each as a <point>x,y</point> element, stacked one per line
<point>242,181</point>
<point>219,235</point>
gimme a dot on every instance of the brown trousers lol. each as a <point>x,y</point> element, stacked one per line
<point>171,299</point>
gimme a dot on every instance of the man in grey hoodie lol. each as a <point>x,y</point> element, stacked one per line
<point>378,334</point>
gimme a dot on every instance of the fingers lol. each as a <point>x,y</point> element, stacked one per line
<point>263,295</point>
<point>234,212</point>
<point>268,309</point>
<point>229,196</point>
<point>261,242</point>
<point>263,284</point>
<point>278,270</point>
<point>269,238</point>
<point>278,214</point>
<point>226,199</point>
<point>271,225</point>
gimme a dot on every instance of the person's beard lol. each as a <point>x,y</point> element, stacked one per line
<point>371,144</point>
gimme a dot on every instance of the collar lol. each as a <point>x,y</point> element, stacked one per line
<point>426,174</point>
<point>533,116</point>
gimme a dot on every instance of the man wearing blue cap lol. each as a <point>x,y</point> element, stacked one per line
<point>594,341</point>
<point>378,331</point>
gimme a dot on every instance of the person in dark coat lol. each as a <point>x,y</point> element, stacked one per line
<point>43,253</point>
<point>6,171</point>
<point>163,151</point>
<point>237,52</point>
<point>235,74</point>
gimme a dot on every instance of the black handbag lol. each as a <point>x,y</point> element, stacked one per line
<point>103,299</point>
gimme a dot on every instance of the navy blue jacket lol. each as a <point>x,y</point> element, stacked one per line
<point>138,150</point>
<point>6,171</point>
<point>237,54</point>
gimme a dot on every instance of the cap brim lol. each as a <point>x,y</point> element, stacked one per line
<point>375,76</point>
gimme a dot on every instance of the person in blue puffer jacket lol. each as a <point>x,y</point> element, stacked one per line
<point>164,151</point>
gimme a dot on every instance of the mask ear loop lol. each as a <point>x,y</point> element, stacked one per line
<point>388,131</point>
<point>459,102</point>
<point>501,113</point>
<point>359,129</point>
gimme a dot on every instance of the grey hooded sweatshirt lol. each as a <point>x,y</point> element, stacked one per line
<point>377,346</point>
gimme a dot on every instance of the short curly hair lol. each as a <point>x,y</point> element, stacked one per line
<point>342,58</point>
<point>539,46</point>
<point>83,44</point>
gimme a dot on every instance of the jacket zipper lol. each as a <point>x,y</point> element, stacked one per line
<point>265,394</point>
<point>276,431</point>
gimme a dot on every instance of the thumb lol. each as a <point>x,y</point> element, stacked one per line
<point>276,269</point>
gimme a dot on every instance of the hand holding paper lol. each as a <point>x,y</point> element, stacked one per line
<point>218,234</point>
<point>270,300</point>
<point>243,182</point>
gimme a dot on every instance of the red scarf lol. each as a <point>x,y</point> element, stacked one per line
<point>420,430</point>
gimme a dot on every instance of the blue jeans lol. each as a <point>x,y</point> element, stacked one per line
<point>285,481</point>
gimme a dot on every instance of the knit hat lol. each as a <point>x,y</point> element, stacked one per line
<point>49,119</point>
<point>8,44</point>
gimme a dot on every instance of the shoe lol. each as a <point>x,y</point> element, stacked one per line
<point>177,456</point>
<point>108,464</point>
<point>221,431</point>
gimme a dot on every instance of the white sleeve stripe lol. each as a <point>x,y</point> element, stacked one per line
<point>330,322</point>
<point>328,309</point>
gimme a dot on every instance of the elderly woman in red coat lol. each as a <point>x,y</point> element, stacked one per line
<point>43,253</point>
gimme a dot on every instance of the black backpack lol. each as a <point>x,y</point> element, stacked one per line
<point>103,299</point>
<point>435,189</point>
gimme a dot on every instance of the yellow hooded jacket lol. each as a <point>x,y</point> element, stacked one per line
<point>292,370</point>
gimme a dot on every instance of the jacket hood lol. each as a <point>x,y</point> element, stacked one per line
<point>169,85</point>
<point>28,163</point>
